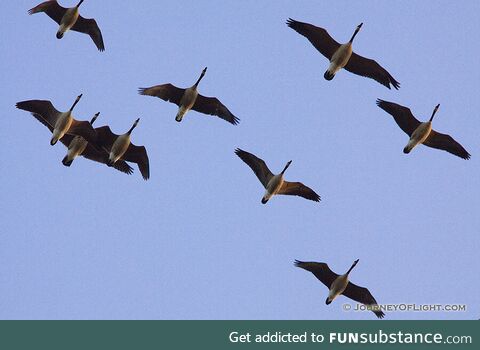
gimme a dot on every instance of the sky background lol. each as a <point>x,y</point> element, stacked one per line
<point>194,242</point>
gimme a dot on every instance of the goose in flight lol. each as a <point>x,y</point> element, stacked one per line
<point>77,146</point>
<point>187,99</point>
<point>119,147</point>
<point>59,123</point>
<point>338,285</point>
<point>422,133</point>
<point>275,184</point>
<point>69,18</point>
<point>342,56</point>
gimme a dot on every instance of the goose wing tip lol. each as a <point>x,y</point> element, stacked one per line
<point>235,120</point>
<point>297,263</point>
<point>395,84</point>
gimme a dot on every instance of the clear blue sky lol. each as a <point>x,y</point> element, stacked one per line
<point>194,242</point>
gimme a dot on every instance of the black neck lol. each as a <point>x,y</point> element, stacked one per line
<point>355,33</point>
<point>286,167</point>
<point>75,103</point>
<point>434,111</point>
<point>200,78</point>
<point>133,127</point>
<point>351,267</point>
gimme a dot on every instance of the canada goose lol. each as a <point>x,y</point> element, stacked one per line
<point>421,132</point>
<point>341,56</point>
<point>120,147</point>
<point>77,145</point>
<point>275,184</point>
<point>339,284</point>
<point>189,98</point>
<point>59,123</point>
<point>69,18</point>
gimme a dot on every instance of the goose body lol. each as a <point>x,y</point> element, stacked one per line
<point>273,187</point>
<point>64,122</point>
<point>188,99</point>
<point>275,184</point>
<point>119,147</point>
<point>186,102</point>
<point>339,60</point>
<point>59,123</point>
<point>422,132</point>
<point>342,56</point>
<point>419,136</point>
<point>340,285</point>
<point>70,19</point>
<point>77,146</point>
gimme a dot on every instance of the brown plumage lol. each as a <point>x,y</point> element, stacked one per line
<point>408,123</point>
<point>352,291</point>
<point>80,24</point>
<point>328,46</point>
<point>90,152</point>
<point>136,154</point>
<point>275,184</point>
<point>189,98</point>
<point>48,115</point>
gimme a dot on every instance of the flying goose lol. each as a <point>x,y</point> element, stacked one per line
<point>119,147</point>
<point>77,146</point>
<point>187,99</point>
<point>59,123</point>
<point>275,184</point>
<point>69,18</point>
<point>421,132</point>
<point>341,56</point>
<point>339,284</point>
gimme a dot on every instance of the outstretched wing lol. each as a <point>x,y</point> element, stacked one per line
<point>42,110</point>
<point>51,8</point>
<point>446,143</point>
<point>102,157</point>
<point>320,270</point>
<point>166,92</point>
<point>138,154</point>
<point>90,27</point>
<point>402,115</point>
<point>212,106</point>
<point>362,295</point>
<point>257,165</point>
<point>298,189</point>
<point>105,137</point>
<point>319,37</point>
<point>371,69</point>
